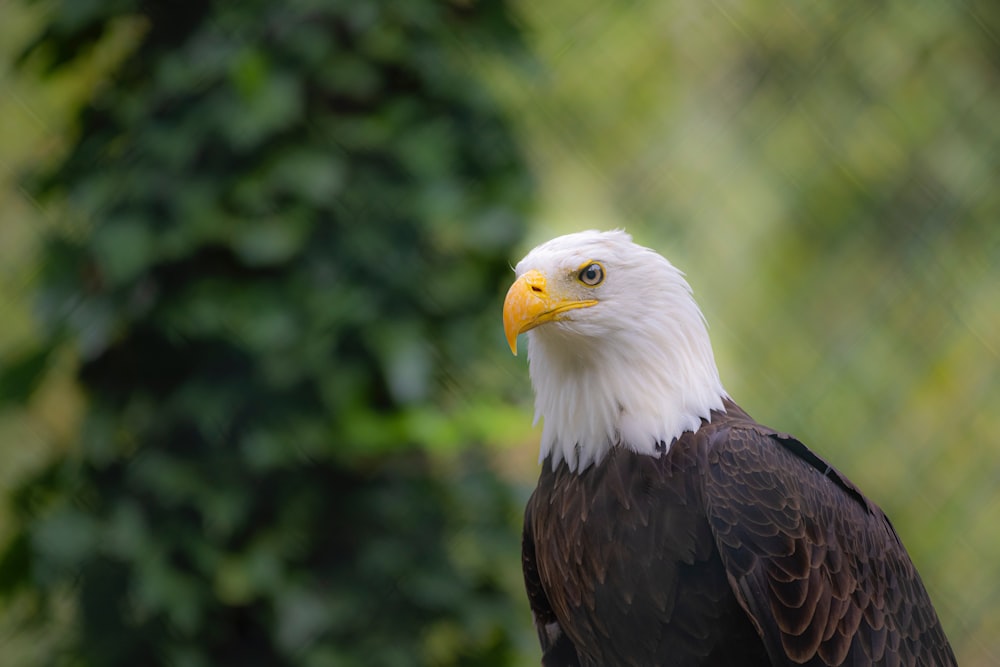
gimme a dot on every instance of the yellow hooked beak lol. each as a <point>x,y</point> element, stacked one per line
<point>529,304</point>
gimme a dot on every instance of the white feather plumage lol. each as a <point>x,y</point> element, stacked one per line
<point>634,370</point>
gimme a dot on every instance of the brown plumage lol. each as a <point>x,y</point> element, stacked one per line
<point>738,547</point>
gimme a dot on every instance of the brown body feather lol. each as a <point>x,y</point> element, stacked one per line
<point>737,547</point>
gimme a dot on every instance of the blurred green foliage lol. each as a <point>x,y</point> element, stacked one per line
<point>825,173</point>
<point>280,235</point>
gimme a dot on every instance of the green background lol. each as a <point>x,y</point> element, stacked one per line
<point>257,407</point>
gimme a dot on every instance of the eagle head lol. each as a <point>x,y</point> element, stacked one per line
<point>618,350</point>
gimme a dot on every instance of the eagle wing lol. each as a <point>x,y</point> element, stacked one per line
<point>816,565</point>
<point>557,649</point>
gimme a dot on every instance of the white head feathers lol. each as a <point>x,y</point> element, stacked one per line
<point>635,369</point>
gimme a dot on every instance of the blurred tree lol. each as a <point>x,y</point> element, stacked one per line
<point>284,231</point>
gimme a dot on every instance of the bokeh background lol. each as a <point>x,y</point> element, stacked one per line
<point>256,405</point>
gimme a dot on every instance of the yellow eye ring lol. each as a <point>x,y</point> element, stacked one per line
<point>591,274</point>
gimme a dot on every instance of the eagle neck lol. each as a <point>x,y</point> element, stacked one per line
<point>640,389</point>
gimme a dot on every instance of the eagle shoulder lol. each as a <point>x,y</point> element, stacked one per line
<point>815,564</point>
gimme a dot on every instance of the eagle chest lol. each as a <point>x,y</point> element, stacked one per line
<point>625,555</point>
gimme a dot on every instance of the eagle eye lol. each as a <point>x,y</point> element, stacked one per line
<point>592,274</point>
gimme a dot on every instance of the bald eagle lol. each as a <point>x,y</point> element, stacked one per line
<point>668,527</point>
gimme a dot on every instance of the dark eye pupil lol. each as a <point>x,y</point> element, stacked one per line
<point>592,275</point>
